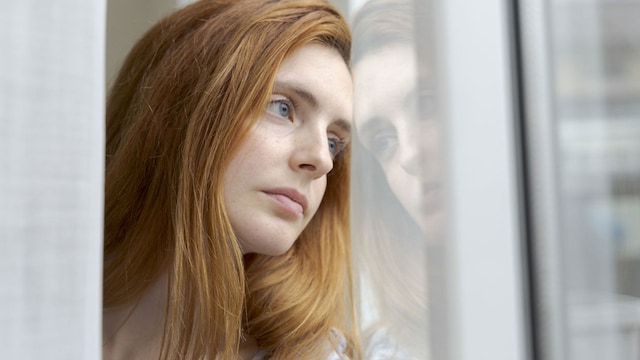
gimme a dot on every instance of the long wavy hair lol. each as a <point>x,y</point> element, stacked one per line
<point>184,101</point>
<point>391,248</point>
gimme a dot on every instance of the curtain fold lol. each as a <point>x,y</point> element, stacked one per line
<point>51,178</point>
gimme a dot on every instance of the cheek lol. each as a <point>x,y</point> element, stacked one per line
<point>399,181</point>
<point>318,188</point>
<point>254,152</point>
<point>235,173</point>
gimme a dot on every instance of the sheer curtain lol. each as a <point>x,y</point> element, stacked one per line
<point>51,178</point>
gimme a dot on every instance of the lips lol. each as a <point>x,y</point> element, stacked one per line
<point>431,197</point>
<point>290,199</point>
<point>430,186</point>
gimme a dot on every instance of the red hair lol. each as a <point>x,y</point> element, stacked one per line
<point>183,102</point>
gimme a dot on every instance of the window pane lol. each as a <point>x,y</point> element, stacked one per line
<point>434,219</point>
<point>396,178</point>
<point>582,86</point>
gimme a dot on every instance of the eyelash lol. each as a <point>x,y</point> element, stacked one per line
<point>290,103</point>
<point>341,144</point>
<point>383,143</point>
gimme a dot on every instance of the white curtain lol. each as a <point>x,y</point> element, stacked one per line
<point>51,178</point>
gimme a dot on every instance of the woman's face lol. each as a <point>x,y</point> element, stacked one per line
<point>275,182</point>
<point>395,122</point>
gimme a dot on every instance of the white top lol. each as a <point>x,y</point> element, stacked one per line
<point>337,354</point>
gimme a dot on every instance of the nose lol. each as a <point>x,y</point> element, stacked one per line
<point>411,157</point>
<point>417,148</point>
<point>311,153</point>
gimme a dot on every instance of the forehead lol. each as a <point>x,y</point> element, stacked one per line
<point>320,71</point>
<point>313,55</point>
<point>383,79</point>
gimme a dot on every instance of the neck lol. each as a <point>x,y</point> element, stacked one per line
<point>135,331</point>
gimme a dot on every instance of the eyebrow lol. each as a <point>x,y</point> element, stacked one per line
<point>344,125</point>
<point>373,126</point>
<point>311,100</point>
<point>299,91</point>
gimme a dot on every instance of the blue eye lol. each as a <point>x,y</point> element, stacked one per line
<point>336,146</point>
<point>280,108</point>
<point>383,144</point>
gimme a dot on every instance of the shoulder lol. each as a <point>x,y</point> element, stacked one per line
<point>337,341</point>
<point>340,346</point>
<point>380,346</point>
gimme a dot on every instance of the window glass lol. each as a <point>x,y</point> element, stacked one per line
<point>583,132</point>
<point>397,175</point>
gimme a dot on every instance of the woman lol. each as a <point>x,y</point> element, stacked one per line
<point>397,158</point>
<point>226,204</point>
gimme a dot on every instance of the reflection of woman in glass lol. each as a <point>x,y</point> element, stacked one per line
<point>226,201</point>
<point>397,173</point>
